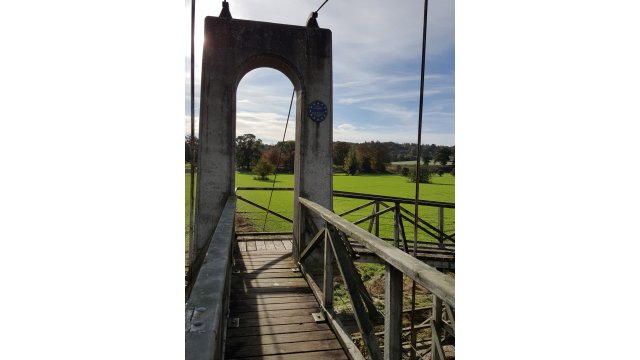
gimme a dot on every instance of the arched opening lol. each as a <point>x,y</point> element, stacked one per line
<point>265,147</point>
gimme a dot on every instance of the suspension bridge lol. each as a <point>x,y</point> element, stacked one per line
<point>272,295</point>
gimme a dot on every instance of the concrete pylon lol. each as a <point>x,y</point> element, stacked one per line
<point>232,48</point>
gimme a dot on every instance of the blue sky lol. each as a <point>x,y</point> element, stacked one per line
<point>376,69</point>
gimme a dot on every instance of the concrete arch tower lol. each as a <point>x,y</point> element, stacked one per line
<point>232,48</point>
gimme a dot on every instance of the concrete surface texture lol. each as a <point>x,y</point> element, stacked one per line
<point>232,48</point>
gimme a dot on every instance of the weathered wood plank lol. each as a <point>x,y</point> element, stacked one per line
<point>285,348</point>
<point>245,236</point>
<point>272,275</point>
<point>265,253</point>
<point>288,244</point>
<point>265,262</point>
<point>279,338</point>
<point>271,299</point>
<point>262,313</point>
<point>251,246</point>
<point>266,265</point>
<point>238,308</point>
<point>242,246</point>
<point>278,244</point>
<point>260,245</point>
<point>283,289</point>
<point>299,319</point>
<point>275,329</point>
<point>259,256</point>
<point>268,283</point>
<point>269,245</point>
<point>263,270</point>
<point>314,355</point>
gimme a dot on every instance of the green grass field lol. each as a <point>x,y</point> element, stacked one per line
<point>441,188</point>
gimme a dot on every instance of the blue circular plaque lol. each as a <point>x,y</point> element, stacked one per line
<point>318,111</point>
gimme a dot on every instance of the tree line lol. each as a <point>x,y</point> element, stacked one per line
<point>352,158</point>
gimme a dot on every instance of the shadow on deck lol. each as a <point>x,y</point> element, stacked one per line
<point>271,305</point>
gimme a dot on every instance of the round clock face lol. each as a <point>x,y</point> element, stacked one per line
<point>317,111</point>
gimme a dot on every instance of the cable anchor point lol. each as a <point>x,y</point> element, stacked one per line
<point>225,13</point>
<point>311,20</point>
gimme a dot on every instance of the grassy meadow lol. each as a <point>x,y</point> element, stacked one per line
<point>441,188</point>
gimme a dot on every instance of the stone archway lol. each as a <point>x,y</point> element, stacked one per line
<point>232,48</point>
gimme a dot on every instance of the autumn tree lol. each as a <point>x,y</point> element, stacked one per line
<point>274,156</point>
<point>442,155</point>
<point>340,152</point>
<point>262,169</point>
<point>288,153</point>
<point>248,151</point>
<point>351,164</point>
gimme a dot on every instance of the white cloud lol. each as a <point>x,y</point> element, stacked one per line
<point>389,133</point>
<point>267,126</point>
<point>376,64</point>
<point>187,125</point>
<point>345,127</point>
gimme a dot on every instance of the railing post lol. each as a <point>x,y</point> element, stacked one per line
<point>441,226</point>
<point>392,313</point>
<point>327,291</point>
<point>377,228</point>
<point>396,225</point>
<point>437,311</point>
<point>436,328</point>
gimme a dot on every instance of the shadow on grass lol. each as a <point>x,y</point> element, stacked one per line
<point>267,180</point>
<point>442,184</point>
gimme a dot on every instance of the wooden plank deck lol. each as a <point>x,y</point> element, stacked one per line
<point>274,306</point>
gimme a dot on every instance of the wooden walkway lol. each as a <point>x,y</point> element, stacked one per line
<point>273,306</point>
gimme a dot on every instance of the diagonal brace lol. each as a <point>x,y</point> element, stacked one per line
<point>350,277</point>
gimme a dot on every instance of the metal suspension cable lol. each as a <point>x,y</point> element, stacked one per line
<point>417,197</point>
<point>192,245</point>
<point>275,173</point>
<point>325,1</point>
